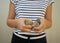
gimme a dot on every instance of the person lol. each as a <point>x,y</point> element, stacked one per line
<point>21,10</point>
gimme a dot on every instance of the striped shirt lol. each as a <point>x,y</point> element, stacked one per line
<point>31,9</point>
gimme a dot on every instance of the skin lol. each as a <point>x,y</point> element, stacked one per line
<point>16,23</point>
<point>46,22</point>
<point>19,23</point>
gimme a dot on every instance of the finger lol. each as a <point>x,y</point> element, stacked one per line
<point>38,28</point>
<point>25,30</point>
<point>33,25</point>
<point>41,30</point>
<point>28,26</point>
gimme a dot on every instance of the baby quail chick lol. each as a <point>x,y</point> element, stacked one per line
<point>37,22</point>
<point>28,22</point>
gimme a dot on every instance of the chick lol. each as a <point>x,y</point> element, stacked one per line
<point>37,22</point>
<point>28,22</point>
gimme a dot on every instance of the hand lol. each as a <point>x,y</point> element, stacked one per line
<point>22,26</point>
<point>41,27</point>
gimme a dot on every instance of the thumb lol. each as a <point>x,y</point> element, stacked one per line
<point>28,26</point>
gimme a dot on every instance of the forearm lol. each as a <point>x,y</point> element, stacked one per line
<point>48,23</point>
<point>12,23</point>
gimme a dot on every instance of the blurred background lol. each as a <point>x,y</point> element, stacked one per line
<point>53,34</point>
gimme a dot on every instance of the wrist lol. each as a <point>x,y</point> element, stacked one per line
<point>16,20</point>
<point>19,22</point>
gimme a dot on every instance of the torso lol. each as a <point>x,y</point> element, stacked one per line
<point>31,9</point>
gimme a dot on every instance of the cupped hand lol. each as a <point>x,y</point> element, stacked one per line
<point>39,29</point>
<point>21,25</point>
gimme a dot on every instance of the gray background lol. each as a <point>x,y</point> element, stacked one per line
<point>53,34</point>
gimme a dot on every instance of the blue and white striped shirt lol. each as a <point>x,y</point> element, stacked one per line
<point>32,9</point>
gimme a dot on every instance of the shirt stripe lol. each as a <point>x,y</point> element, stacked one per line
<point>32,9</point>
